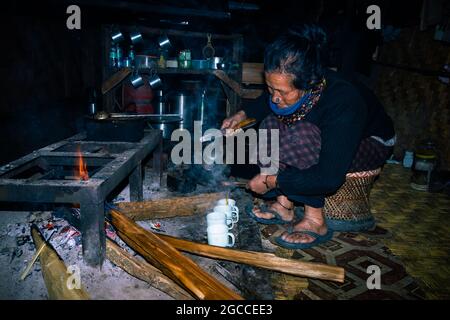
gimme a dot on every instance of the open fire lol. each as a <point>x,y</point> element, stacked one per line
<point>81,172</point>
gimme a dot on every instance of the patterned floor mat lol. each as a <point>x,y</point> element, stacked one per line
<point>355,253</point>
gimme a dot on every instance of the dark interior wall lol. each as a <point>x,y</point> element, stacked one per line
<point>46,70</point>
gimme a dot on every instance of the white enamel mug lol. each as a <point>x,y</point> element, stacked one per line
<point>218,235</point>
<point>214,218</point>
<point>231,204</point>
<point>231,212</point>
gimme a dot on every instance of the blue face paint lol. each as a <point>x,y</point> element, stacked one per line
<point>289,109</point>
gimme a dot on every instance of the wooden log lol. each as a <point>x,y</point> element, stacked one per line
<point>170,207</point>
<point>54,272</point>
<point>170,261</point>
<point>260,259</point>
<point>144,271</point>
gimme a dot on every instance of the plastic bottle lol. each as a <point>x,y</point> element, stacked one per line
<point>408,159</point>
<point>119,56</point>
<point>162,61</point>
<point>112,57</point>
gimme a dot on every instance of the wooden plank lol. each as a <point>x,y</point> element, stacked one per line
<point>144,271</point>
<point>184,33</point>
<point>170,261</point>
<point>236,87</point>
<point>253,73</point>
<point>260,259</point>
<point>115,79</point>
<point>170,207</point>
<point>54,272</point>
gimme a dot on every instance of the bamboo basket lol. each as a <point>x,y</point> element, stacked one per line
<point>349,208</point>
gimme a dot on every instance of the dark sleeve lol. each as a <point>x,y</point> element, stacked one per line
<point>257,108</point>
<point>341,134</point>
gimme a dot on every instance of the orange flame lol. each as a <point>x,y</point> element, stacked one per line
<point>82,172</point>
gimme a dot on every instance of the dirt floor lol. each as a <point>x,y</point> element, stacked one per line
<point>109,281</point>
<point>390,196</point>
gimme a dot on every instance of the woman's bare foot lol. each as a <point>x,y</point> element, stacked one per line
<point>312,221</point>
<point>282,206</point>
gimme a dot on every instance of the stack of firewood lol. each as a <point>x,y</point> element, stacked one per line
<point>165,267</point>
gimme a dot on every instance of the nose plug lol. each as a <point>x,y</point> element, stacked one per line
<point>277,100</point>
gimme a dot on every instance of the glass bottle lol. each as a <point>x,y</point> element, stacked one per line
<point>425,162</point>
<point>119,56</point>
<point>112,57</point>
<point>131,55</point>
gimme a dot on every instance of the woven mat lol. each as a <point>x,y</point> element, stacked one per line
<point>355,253</point>
<point>418,222</point>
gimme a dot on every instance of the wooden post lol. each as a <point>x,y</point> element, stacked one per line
<point>54,272</point>
<point>170,261</point>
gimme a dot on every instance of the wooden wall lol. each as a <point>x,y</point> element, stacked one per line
<point>45,72</point>
<point>418,103</point>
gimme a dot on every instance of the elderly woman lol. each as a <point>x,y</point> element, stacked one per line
<point>328,127</point>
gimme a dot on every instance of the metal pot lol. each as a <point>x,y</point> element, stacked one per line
<point>114,129</point>
<point>166,123</point>
<point>185,104</point>
<point>216,63</point>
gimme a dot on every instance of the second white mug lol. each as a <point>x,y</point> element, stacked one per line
<point>232,214</point>
<point>218,235</point>
<point>218,218</point>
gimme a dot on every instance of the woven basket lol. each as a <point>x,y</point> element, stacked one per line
<point>349,208</point>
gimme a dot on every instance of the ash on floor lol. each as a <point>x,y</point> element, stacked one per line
<point>17,249</point>
<point>109,282</point>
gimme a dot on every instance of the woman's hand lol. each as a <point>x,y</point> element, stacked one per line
<point>260,183</point>
<point>232,122</point>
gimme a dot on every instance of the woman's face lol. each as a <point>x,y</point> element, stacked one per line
<point>282,89</point>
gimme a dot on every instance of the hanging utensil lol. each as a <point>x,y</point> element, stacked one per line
<point>208,50</point>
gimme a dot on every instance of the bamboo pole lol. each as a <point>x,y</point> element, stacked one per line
<point>144,271</point>
<point>261,260</point>
<point>170,261</point>
<point>169,207</point>
<point>54,272</point>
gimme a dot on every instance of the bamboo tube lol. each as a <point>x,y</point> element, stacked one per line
<point>169,207</point>
<point>261,260</point>
<point>54,272</point>
<point>144,271</point>
<point>170,261</point>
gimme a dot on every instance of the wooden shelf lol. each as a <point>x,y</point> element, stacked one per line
<point>183,71</point>
<point>189,71</point>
